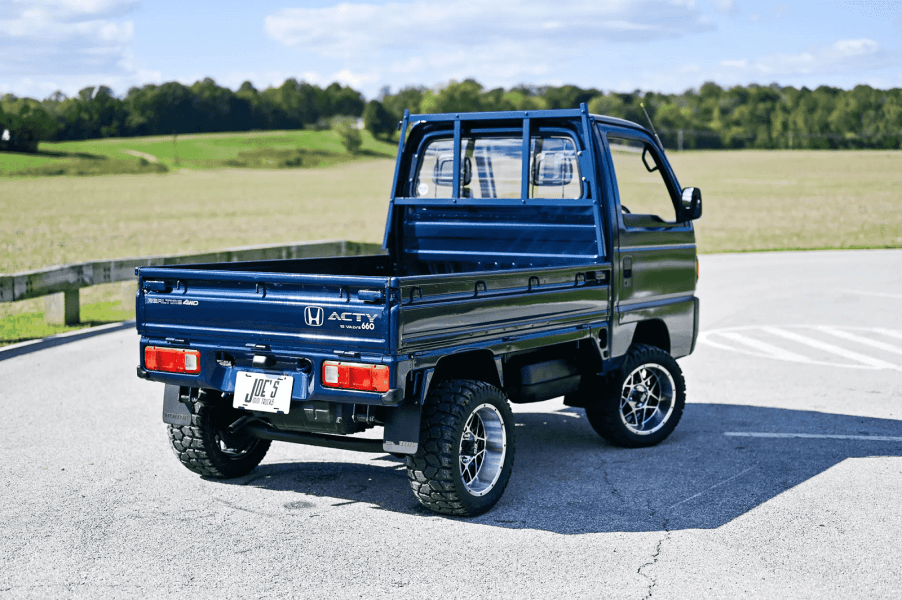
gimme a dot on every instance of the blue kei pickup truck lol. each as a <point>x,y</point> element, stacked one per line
<point>529,256</point>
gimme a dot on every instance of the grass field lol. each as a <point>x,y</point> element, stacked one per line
<point>753,200</point>
<point>110,303</point>
<point>767,200</point>
<point>58,220</point>
<point>161,154</point>
<point>795,200</point>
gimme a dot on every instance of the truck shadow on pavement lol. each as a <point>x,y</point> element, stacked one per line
<point>567,480</point>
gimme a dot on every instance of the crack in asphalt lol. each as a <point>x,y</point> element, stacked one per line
<point>652,582</point>
<point>614,490</point>
<point>236,507</point>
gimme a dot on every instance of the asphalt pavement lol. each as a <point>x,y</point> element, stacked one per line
<point>782,480</point>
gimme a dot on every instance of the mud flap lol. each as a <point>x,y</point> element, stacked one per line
<point>402,429</point>
<point>174,411</point>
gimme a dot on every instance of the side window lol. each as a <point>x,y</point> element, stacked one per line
<point>640,182</point>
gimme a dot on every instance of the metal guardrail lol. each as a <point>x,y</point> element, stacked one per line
<point>61,284</point>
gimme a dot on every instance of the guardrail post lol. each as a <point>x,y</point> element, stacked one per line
<point>61,308</point>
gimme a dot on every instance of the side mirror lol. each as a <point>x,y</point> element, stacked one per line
<point>690,204</point>
<point>553,168</point>
<point>443,172</point>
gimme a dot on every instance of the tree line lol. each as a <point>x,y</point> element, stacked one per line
<point>711,117</point>
<point>204,107</point>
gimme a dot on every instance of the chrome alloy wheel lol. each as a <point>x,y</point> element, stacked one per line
<point>647,399</point>
<point>483,446</point>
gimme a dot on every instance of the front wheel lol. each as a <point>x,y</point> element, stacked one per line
<point>208,447</point>
<point>640,403</point>
<point>466,451</point>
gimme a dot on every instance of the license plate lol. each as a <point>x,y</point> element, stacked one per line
<point>259,391</point>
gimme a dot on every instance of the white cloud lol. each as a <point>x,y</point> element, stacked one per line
<point>504,41</point>
<point>863,58</point>
<point>350,29</point>
<point>724,6</point>
<point>860,47</point>
<point>356,80</point>
<point>841,56</point>
<point>67,44</point>
<point>63,10</point>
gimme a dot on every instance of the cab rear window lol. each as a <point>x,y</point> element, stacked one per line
<point>492,167</point>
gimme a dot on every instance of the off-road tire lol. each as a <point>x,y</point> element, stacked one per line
<point>446,474</point>
<point>208,448</point>
<point>622,410</point>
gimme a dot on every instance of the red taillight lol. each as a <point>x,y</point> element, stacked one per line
<point>696,268</point>
<point>171,360</point>
<point>353,376</point>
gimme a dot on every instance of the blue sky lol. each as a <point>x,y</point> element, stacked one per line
<point>619,45</point>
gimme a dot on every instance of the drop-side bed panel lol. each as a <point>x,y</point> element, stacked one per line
<point>475,307</point>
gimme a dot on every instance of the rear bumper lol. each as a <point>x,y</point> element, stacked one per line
<point>220,366</point>
<point>299,392</point>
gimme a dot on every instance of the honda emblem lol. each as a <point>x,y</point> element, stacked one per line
<point>313,316</point>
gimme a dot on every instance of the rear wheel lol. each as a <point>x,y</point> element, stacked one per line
<point>640,403</point>
<point>466,451</point>
<point>208,447</point>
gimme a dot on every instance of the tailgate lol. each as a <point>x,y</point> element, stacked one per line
<point>281,310</point>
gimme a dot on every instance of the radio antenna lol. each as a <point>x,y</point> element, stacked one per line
<point>657,137</point>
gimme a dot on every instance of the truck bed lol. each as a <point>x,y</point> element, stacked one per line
<point>265,302</point>
<point>365,306</point>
